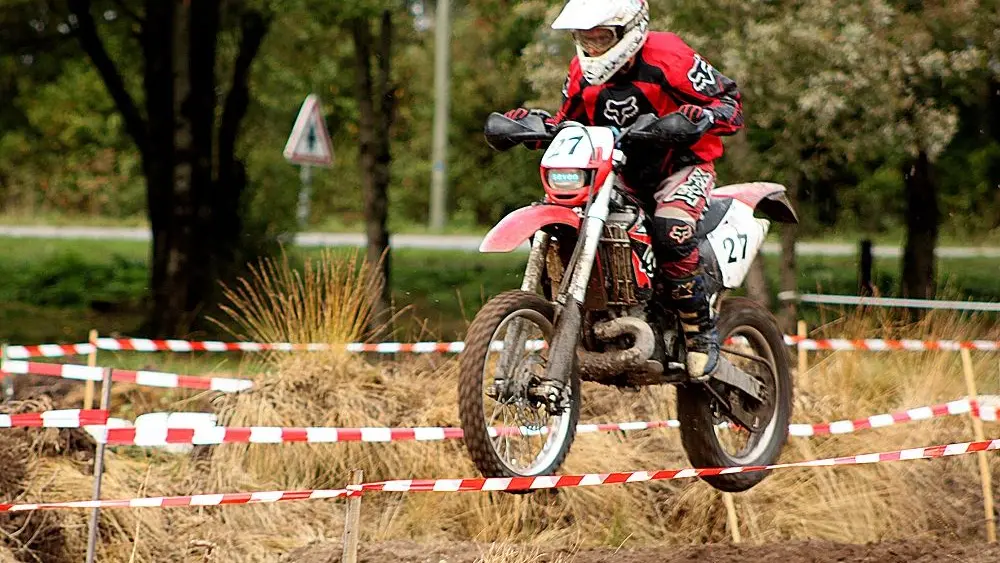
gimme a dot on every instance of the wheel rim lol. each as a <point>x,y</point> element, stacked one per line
<point>742,446</point>
<point>523,435</point>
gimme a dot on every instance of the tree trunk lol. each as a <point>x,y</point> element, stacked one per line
<point>376,101</point>
<point>757,287</point>
<point>993,113</point>
<point>158,157</point>
<point>789,266</point>
<point>232,180</point>
<point>201,106</point>
<point>174,259</point>
<point>922,217</point>
<point>197,239</point>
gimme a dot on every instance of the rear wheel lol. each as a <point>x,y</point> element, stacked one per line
<point>709,438</point>
<point>509,432</point>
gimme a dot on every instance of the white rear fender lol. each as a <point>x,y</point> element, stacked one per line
<point>735,242</point>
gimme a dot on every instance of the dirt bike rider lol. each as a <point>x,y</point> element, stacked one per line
<point>621,71</point>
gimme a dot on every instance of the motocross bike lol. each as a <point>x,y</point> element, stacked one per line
<point>586,311</point>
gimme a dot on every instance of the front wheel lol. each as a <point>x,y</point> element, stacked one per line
<point>709,439</point>
<point>509,430</point>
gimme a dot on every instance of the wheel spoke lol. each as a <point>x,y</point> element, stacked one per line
<point>530,439</point>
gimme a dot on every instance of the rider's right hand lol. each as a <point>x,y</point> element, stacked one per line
<point>517,113</point>
<point>520,113</point>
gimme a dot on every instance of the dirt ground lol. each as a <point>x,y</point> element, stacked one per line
<point>922,551</point>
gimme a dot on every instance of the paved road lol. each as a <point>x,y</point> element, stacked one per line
<point>454,242</point>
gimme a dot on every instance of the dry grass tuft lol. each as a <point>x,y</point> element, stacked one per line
<point>326,301</point>
<point>500,552</point>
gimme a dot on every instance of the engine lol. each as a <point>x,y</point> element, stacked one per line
<point>625,257</point>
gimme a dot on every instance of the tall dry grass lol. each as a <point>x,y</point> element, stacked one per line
<point>327,300</point>
<point>855,504</point>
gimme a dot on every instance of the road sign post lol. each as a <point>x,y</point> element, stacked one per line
<point>309,145</point>
<point>305,177</point>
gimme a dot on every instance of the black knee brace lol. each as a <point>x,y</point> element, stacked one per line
<point>673,239</point>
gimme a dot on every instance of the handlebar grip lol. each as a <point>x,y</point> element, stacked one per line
<point>644,136</point>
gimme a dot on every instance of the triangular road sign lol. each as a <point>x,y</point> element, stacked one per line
<point>309,142</point>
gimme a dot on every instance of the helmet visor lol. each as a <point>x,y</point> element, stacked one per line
<point>597,41</point>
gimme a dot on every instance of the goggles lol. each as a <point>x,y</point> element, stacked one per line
<point>597,41</point>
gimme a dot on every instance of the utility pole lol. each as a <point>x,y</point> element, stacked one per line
<point>439,174</point>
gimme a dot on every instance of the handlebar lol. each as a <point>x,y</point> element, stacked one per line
<point>503,133</point>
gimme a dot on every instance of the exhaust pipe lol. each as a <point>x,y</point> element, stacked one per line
<point>595,366</point>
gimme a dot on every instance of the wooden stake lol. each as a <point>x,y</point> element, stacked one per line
<point>734,524</point>
<point>98,472</point>
<point>352,524</point>
<point>803,332</point>
<point>88,390</point>
<point>984,464</point>
<point>6,380</point>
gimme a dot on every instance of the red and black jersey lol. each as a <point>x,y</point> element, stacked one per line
<point>667,74</point>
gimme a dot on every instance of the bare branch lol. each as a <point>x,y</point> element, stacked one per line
<point>254,27</point>
<point>90,41</point>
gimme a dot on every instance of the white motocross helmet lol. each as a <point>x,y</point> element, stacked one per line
<point>607,33</point>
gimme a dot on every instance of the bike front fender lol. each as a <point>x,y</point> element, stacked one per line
<point>518,226</point>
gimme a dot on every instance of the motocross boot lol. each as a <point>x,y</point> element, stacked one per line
<point>690,300</point>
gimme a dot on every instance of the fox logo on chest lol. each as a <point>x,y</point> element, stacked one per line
<point>621,111</point>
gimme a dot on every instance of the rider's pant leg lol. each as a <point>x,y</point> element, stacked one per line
<point>681,200</point>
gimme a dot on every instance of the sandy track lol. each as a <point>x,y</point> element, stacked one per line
<point>915,551</point>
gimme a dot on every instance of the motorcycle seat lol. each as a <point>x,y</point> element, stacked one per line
<point>712,216</point>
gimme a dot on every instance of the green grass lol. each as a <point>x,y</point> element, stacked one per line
<point>21,251</point>
<point>951,235</point>
<point>21,218</point>
<point>56,290</point>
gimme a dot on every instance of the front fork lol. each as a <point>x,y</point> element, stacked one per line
<point>562,356</point>
<point>506,382</point>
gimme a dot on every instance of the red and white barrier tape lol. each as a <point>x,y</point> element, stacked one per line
<point>261,497</point>
<point>71,418</point>
<point>962,406</point>
<point>48,351</point>
<point>145,378</point>
<point>876,345</point>
<point>880,345</point>
<point>146,345</point>
<point>511,484</point>
<point>408,348</point>
<point>593,479</point>
<point>215,435</point>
